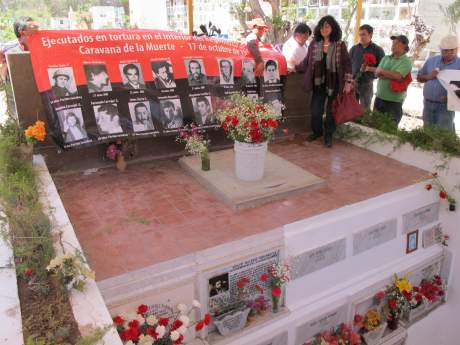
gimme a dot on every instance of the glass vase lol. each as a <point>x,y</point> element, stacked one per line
<point>275,304</point>
<point>393,322</point>
<point>205,163</point>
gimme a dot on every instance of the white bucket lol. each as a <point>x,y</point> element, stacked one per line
<point>250,160</point>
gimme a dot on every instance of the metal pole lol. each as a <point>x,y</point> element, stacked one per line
<point>190,16</point>
<point>359,12</point>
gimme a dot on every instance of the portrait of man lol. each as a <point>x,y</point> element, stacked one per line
<point>171,114</point>
<point>97,78</point>
<point>107,119</point>
<point>203,110</point>
<point>72,125</point>
<point>195,72</point>
<point>248,74</point>
<point>132,76</point>
<point>62,82</point>
<point>163,74</point>
<point>253,96</point>
<point>271,72</point>
<point>218,285</point>
<point>274,99</point>
<point>141,116</point>
<point>226,71</point>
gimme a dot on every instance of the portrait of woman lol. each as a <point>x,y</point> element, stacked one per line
<point>73,128</point>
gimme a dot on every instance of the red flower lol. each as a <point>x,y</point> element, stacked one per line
<point>180,340</point>
<point>286,131</point>
<point>151,331</point>
<point>259,288</point>
<point>207,319</point>
<point>435,174</point>
<point>176,324</point>
<point>379,296</point>
<point>118,320</point>
<point>242,282</point>
<point>442,194</point>
<point>134,324</point>
<point>142,309</point>
<point>276,292</point>
<point>228,118</point>
<point>369,59</point>
<point>392,304</point>
<point>418,297</point>
<point>29,272</point>
<point>163,321</point>
<point>199,326</point>
<point>234,121</point>
<point>130,334</point>
<point>264,123</point>
<point>428,186</point>
<point>358,319</point>
<point>264,277</point>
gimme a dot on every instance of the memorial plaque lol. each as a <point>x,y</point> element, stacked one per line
<point>325,322</point>
<point>280,339</point>
<point>420,217</point>
<point>426,272</point>
<point>374,236</point>
<point>318,258</point>
<point>431,236</point>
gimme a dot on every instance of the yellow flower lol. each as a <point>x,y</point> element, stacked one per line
<point>403,285</point>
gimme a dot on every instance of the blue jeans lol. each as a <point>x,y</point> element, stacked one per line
<point>436,114</point>
<point>318,101</point>
<point>394,109</point>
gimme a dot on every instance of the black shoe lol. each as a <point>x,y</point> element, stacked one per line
<point>313,137</point>
<point>328,141</point>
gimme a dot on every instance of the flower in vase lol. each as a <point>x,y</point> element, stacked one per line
<point>276,292</point>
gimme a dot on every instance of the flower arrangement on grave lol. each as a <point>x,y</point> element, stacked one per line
<point>258,305</point>
<point>72,270</point>
<point>277,276</point>
<point>195,144</point>
<point>115,152</point>
<point>341,335</point>
<point>36,132</point>
<point>371,325</point>
<point>146,328</point>
<point>429,290</point>
<point>443,194</point>
<point>396,303</point>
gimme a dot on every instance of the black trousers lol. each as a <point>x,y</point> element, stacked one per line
<point>392,108</point>
<point>318,102</point>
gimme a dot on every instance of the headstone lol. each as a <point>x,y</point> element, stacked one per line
<point>374,236</point>
<point>318,258</point>
<point>420,217</point>
<point>324,322</point>
<point>431,236</point>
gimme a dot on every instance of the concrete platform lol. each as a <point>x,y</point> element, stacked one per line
<point>281,179</point>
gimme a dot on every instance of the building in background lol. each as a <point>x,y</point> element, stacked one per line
<point>105,17</point>
<point>148,14</point>
<point>59,23</point>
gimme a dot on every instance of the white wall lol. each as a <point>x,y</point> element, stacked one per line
<point>148,14</point>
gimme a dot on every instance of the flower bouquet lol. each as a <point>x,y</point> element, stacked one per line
<point>33,134</point>
<point>370,326</point>
<point>369,59</point>
<point>114,152</point>
<point>251,125</point>
<point>146,328</point>
<point>342,335</point>
<point>396,303</point>
<point>278,275</point>
<point>195,144</point>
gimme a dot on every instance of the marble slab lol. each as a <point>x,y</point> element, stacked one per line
<point>420,217</point>
<point>374,236</point>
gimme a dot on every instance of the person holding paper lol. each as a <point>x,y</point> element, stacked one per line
<point>434,94</point>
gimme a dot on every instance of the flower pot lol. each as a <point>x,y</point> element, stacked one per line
<point>205,162</point>
<point>121,163</point>
<point>393,323</point>
<point>250,160</point>
<point>232,321</point>
<point>275,304</point>
<point>373,337</point>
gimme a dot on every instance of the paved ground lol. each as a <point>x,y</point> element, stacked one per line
<point>155,211</point>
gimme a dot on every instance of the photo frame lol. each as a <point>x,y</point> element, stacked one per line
<point>412,241</point>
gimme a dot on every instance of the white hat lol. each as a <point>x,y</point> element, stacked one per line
<point>257,22</point>
<point>449,42</point>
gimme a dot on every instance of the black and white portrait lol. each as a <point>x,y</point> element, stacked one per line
<point>171,113</point>
<point>62,82</point>
<point>218,285</point>
<point>97,78</point>
<point>247,72</point>
<point>72,125</point>
<point>131,76</point>
<point>253,96</point>
<point>196,74</point>
<point>275,100</point>
<point>203,110</point>
<point>271,72</point>
<point>141,116</point>
<point>163,74</point>
<point>107,119</point>
<point>226,71</point>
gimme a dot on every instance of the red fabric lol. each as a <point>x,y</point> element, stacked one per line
<point>369,59</point>
<point>401,85</point>
<point>346,108</point>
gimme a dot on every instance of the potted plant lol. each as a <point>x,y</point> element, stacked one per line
<point>278,275</point>
<point>148,328</point>
<point>34,133</point>
<point>251,125</point>
<point>195,144</point>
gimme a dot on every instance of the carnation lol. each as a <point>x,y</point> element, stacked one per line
<point>160,330</point>
<point>182,308</point>
<point>174,335</point>
<point>151,320</point>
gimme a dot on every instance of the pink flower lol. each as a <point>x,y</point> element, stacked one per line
<point>355,339</point>
<point>276,292</point>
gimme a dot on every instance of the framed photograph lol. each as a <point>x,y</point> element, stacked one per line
<point>412,241</point>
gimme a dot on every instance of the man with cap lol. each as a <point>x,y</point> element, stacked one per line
<point>61,82</point>
<point>434,95</point>
<point>395,67</point>
<point>259,28</point>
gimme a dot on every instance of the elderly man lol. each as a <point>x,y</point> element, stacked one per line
<point>61,83</point>
<point>253,40</point>
<point>295,49</point>
<point>395,67</point>
<point>434,95</point>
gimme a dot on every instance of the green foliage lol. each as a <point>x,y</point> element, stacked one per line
<point>94,337</point>
<point>451,13</point>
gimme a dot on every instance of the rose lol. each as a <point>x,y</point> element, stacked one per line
<point>207,319</point>
<point>142,309</point>
<point>199,326</point>
<point>276,292</point>
<point>264,277</point>
<point>369,59</point>
<point>118,320</point>
<point>379,296</point>
<point>392,304</point>
<point>163,321</point>
<point>442,194</point>
<point>428,186</point>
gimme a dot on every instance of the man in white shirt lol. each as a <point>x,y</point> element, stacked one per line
<point>295,49</point>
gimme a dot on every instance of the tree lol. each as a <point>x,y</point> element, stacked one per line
<point>348,13</point>
<point>452,14</point>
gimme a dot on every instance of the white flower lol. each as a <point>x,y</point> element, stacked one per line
<point>151,320</point>
<point>145,340</point>
<point>160,330</point>
<point>196,304</point>
<point>185,320</point>
<point>174,335</point>
<point>130,343</point>
<point>140,318</point>
<point>182,329</point>
<point>182,308</point>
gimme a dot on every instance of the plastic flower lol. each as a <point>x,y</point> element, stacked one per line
<point>199,326</point>
<point>118,320</point>
<point>403,285</point>
<point>182,308</point>
<point>174,335</point>
<point>442,194</point>
<point>185,320</point>
<point>142,309</point>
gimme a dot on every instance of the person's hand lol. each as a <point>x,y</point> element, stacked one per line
<point>369,69</point>
<point>259,68</point>
<point>434,73</point>
<point>347,88</point>
<point>363,67</point>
